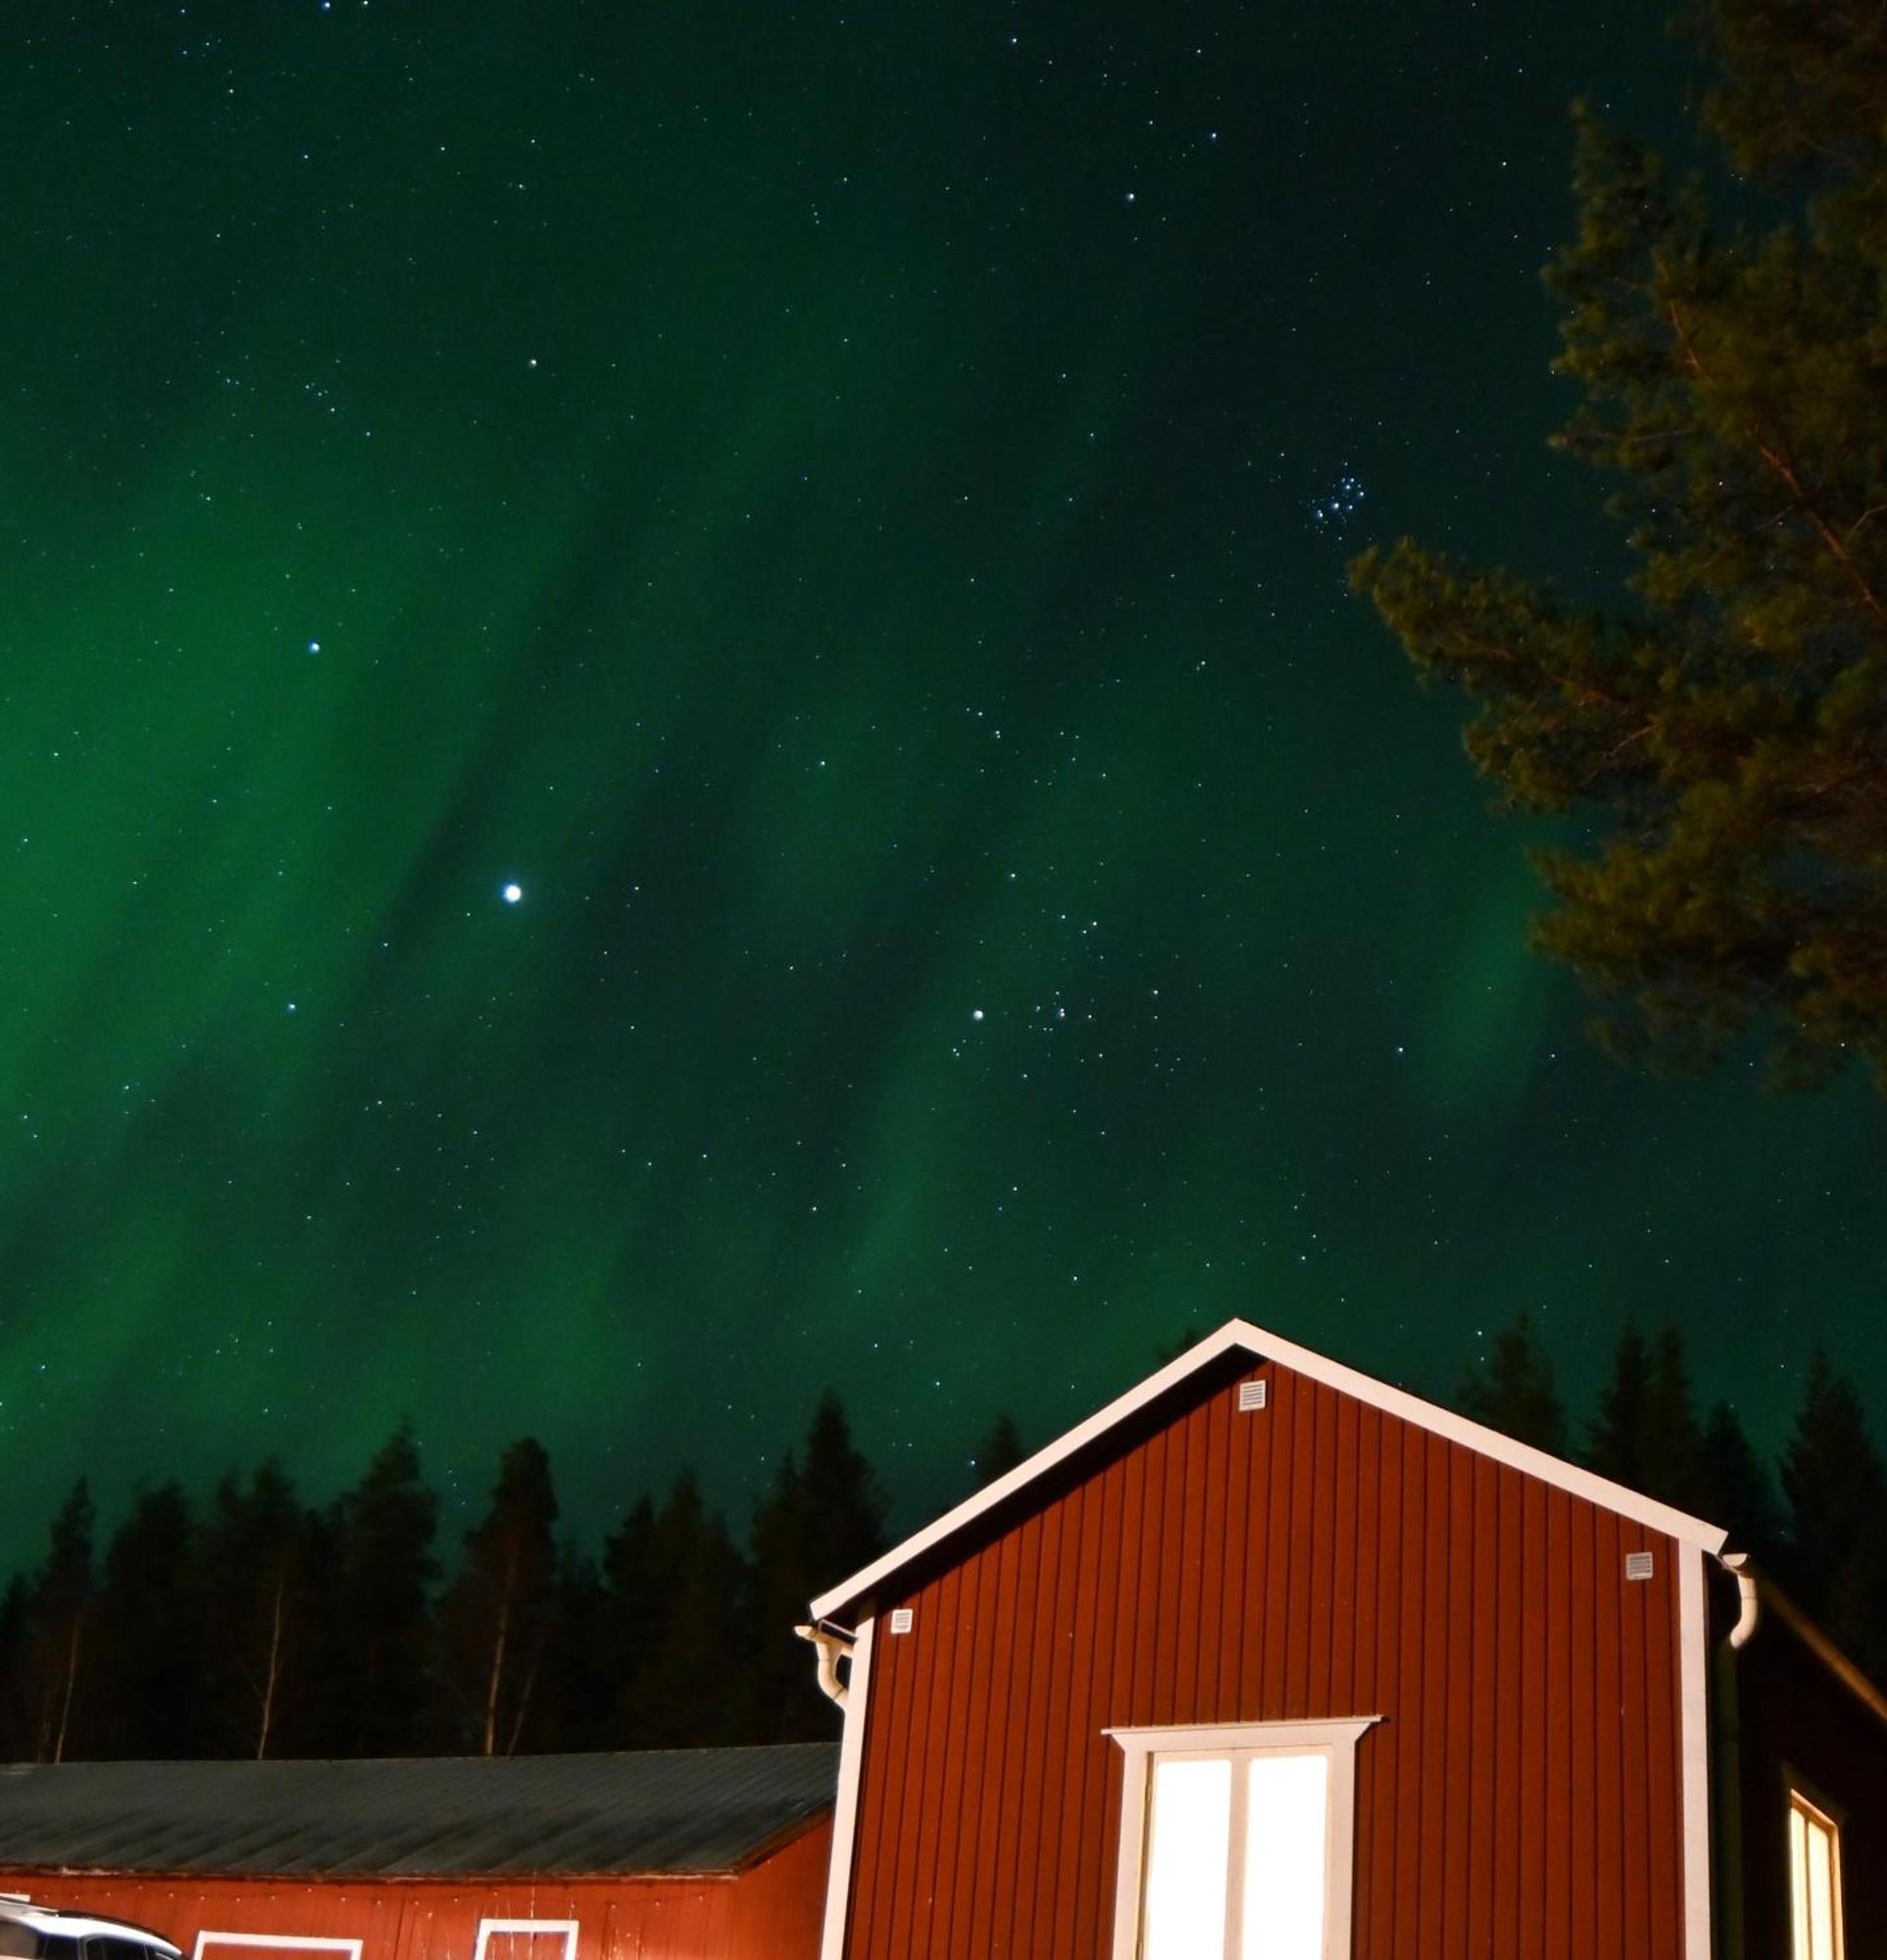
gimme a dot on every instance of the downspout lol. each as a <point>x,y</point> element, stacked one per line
<point>1729,1774</point>
<point>834,1646</point>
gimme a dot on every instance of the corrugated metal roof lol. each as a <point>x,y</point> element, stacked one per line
<point>652,1811</point>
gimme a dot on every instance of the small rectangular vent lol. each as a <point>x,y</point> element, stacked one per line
<point>1639,1565</point>
<point>1250,1397</point>
<point>901,1619</point>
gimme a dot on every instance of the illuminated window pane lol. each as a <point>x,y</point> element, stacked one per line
<point>1286,1808</point>
<point>1188,1845</point>
<point>1814,1889</point>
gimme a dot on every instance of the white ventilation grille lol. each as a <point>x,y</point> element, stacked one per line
<point>901,1619</point>
<point>1250,1397</point>
<point>1639,1565</point>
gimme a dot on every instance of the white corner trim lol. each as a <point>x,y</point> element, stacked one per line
<point>1337,1740</point>
<point>1261,1346</point>
<point>565,1928</point>
<point>845,1813</point>
<point>1693,1723</point>
<point>291,1943</point>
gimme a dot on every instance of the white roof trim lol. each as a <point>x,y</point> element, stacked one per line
<point>1255,1340</point>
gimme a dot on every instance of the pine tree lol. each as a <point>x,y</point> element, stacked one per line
<point>686,1692</point>
<point>147,1637</point>
<point>627,1624</point>
<point>1515,1390</point>
<point>1836,1488</point>
<point>1616,1438</point>
<point>260,1554</point>
<point>1673,1441</point>
<point>1646,1433</point>
<point>56,1630</point>
<point>373,1668</point>
<point>781,1584</point>
<point>1000,1451</point>
<point>498,1616</point>
<point>1722,734</point>
<point>1170,1351</point>
<point>845,1516</point>
<point>571,1708</point>
<point>817,1525</point>
<point>1735,1491</point>
<point>16,1709</point>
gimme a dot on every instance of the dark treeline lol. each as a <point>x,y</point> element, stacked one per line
<point>255,1625</point>
<point>251,1624</point>
<point>1817,1522</point>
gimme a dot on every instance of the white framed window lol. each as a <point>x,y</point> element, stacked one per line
<point>1237,1843</point>
<point>286,1942</point>
<point>496,1934</point>
<point>1815,1879</point>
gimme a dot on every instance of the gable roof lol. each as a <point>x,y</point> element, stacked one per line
<point>643,1813</point>
<point>1241,1336</point>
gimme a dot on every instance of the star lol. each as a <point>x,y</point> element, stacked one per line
<point>512,893</point>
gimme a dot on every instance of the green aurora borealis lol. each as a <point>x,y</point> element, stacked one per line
<point>838,506</point>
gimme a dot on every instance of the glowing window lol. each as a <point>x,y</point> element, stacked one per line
<point>1815,1880</point>
<point>1188,1838</point>
<point>1236,1844</point>
<point>1287,1853</point>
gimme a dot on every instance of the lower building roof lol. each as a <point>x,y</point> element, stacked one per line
<point>642,1814</point>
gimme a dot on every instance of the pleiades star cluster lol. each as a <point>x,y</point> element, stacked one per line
<point>680,723</point>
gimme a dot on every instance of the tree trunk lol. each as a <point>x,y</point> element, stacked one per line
<point>272,1671</point>
<point>495,1680</point>
<point>71,1681</point>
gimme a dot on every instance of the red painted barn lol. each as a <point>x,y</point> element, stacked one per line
<point>1270,1661</point>
<point>689,1854</point>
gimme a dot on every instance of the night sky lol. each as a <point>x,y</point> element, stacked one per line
<point>844,510</point>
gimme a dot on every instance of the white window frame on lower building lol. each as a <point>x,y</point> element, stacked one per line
<point>542,1928</point>
<point>1143,1748</point>
<point>285,1942</point>
<point>1813,1821</point>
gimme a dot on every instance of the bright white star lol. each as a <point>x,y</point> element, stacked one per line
<point>513,893</point>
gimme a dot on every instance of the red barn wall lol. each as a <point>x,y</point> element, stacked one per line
<point>771,1911</point>
<point>1319,1559</point>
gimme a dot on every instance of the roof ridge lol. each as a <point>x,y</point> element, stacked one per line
<point>1243,1335</point>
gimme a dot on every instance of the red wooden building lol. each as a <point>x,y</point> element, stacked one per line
<point>695,1854</point>
<point>1270,1661</point>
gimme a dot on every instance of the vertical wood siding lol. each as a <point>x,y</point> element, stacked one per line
<point>771,1911</point>
<point>1320,1558</point>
